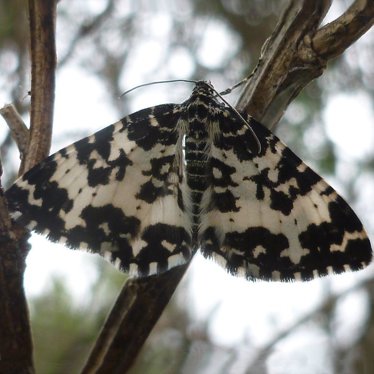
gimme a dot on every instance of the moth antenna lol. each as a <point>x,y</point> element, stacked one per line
<point>232,88</point>
<point>240,116</point>
<point>158,82</point>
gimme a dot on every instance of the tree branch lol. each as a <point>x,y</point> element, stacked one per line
<point>18,129</point>
<point>298,52</point>
<point>87,29</point>
<point>279,76</point>
<point>43,65</point>
<point>15,334</point>
<point>137,309</point>
<point>334,38</point>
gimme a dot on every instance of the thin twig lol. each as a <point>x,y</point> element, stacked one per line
<point>328,304</point>
<point>86,30</point>
<point>18,129</point>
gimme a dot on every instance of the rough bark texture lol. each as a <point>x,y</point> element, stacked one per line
<point>136,311</point>
<point>43,66</point>
<point>15,333</point>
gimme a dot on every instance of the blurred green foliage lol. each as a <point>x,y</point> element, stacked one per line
<point>65,327</point>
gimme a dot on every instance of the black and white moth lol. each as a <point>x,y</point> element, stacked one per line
<point>150,190</point>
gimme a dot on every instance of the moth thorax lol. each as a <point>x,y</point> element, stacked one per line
<point>197,171</point>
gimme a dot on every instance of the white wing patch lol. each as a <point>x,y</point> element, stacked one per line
<point>90,195</point>
<point>270,216</point>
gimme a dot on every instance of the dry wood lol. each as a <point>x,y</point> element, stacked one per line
<point>15,333</point>
<point>18,129</point>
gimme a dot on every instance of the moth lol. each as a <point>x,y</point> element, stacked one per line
<point>152,189</point>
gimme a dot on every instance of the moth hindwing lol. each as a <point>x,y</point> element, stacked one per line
<point>164,182</point>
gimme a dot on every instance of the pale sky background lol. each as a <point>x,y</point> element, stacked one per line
<point>241,310</point>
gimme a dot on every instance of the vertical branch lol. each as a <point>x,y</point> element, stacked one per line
<point>15,333</point>
<point>43,64</point>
